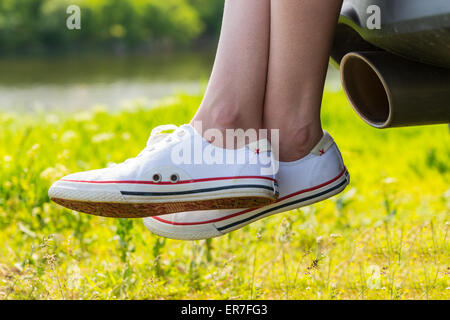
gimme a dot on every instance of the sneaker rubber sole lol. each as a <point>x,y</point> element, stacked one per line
<point>138,199</point>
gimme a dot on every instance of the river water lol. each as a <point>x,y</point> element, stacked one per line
<point>81,82</point>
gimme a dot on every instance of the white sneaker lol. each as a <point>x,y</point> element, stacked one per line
<point>166,177</point>
<point>316,177</point>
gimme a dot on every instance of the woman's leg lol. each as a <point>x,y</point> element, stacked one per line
<point>300,41</point>
<point>235,94</point>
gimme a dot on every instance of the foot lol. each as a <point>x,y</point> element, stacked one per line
<point>317,176</point>
<point>168,177</point>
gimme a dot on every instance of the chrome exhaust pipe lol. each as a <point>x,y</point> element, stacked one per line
<point>386,90</point>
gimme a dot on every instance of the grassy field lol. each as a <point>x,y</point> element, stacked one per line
<point>384,237</point>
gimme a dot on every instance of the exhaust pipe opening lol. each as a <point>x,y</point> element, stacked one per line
<point>386,90</point>
<point>365,90</point>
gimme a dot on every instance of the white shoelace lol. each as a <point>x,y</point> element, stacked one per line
<point>156,136</point>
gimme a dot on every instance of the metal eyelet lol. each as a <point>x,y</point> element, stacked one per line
<point>157,177</point>
<point>174,178</point>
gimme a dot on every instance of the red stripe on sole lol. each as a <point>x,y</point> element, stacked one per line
<point>251,209</point>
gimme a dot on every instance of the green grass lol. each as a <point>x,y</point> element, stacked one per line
<point>384,237</point>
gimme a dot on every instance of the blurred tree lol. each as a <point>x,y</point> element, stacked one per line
<point>39,25</point>
<point>210,12</point>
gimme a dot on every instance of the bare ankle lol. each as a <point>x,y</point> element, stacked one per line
<point>226,117</point>
<point>219,121</point>
<point>297,143</point>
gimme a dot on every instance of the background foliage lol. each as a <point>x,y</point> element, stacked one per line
<point>40,25</point>
<point>384,237</point>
